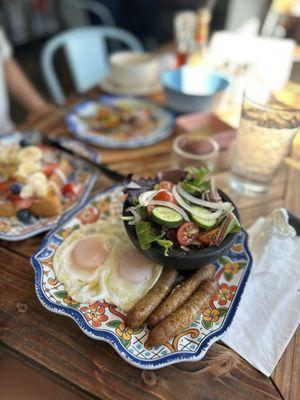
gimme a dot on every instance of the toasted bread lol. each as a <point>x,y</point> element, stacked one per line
<point>7,209</point>
<point>47,206</point>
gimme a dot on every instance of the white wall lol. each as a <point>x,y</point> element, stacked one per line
<point>239,11</point>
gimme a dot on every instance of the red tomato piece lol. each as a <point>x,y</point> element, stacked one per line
<point>206,238</point>
<point>48,169</point>
<point>187,233</point>
<point>165,185</point>
<point>165,196</point>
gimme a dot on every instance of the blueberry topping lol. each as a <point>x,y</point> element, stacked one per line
<point>24,216</point>
<point>15,188</point>
<point>25,142</point>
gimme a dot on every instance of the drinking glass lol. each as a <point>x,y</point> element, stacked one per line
<point>264,138</point>
<point>192,149</point>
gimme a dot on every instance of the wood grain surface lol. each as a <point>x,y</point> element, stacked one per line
<point>56,347</point>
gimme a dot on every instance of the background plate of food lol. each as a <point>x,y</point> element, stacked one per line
<point>100,299</point>
<point>119,122</point>
<point>38,185</point>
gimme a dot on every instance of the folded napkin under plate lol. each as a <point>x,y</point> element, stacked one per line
<point>269,311</point>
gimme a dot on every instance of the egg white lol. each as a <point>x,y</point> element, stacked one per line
<point>86,286</point>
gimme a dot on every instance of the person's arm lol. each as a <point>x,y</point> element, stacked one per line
<point>20,87</point>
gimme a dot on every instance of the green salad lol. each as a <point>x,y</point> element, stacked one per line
<point>179,208</point>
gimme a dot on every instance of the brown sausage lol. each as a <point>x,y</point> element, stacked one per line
<point>66,168</point>
<point>180,319</point>
<point>180,294</point>
<point>144,307</point>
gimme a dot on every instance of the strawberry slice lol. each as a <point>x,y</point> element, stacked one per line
<point>71,190</point>
<point>20,203</point>
<point>48,169</point>
<point>4,186</point>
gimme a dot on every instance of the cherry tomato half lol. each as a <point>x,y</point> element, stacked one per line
<point>165,185</point>
<point>206,238</point>
<point>164,196</point>
<point>187,233</point>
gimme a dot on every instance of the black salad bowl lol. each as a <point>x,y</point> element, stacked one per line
<point>178,258</point>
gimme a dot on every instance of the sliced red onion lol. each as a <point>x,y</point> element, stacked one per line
<point>185,248</point>
<point>170,205</point>
<point>127,217</point>
<point>195,200</point>
<point>146,197</point>
<point>136,215</point>
<point>198,213</point>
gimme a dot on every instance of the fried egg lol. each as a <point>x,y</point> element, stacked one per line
<point>98,261</point>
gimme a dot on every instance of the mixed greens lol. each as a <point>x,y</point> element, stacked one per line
<point>179,208</point>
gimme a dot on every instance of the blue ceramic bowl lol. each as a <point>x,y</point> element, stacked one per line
<point>191,89</point>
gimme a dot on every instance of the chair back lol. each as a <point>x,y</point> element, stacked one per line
<point>87,56</point>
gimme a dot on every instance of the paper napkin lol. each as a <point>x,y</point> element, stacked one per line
<point>269,311</point>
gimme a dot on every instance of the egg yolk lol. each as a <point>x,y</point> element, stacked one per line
<point>134,267</point>
<point>89,253</point>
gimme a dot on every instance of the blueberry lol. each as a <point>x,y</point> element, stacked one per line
<point>24,216</point>
<point>15,188</point>
<point>25,142</point>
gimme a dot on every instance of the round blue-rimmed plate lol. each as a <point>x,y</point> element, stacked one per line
<point>79,127</point>
<point>11,229</point>
<point>103,321</point>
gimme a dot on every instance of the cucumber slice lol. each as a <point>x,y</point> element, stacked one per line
<point>166,216</point>
<point>203,223</point>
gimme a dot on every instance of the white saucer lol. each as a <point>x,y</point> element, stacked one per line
<point>108,85</point>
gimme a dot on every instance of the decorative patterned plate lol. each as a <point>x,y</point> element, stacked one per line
<point>105,322</point>
<point>13,229</point>
<point>79,126</point>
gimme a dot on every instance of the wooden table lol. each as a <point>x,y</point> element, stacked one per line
<point>56,347</point>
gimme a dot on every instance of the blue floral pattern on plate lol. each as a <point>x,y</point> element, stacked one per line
<point>103,321</point>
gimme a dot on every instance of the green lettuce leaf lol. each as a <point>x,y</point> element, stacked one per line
<point>145,234</point>
<point>167,244</point>
<point>146,237</point>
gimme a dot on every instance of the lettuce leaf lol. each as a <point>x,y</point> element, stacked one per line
<point>146,236</point>
<point>167,244</point>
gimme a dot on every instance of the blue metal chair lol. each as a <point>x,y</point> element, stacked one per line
<point>87,56</point>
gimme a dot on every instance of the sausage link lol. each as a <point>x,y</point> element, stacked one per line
<point>180,319</point>
<point>144,307</point>
<point>180,294</point>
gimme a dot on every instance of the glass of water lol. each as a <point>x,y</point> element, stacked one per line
<point>193,149</point>
<point>264,138</point>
